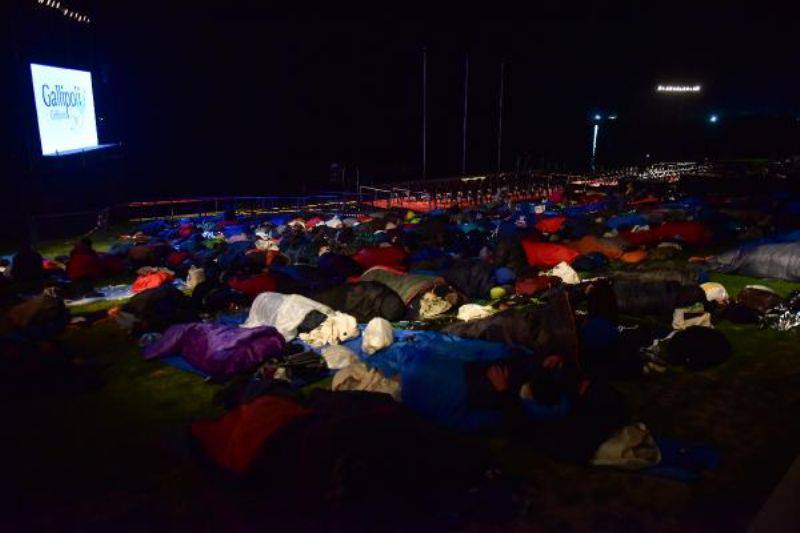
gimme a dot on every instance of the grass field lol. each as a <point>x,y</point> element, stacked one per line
<point>107,445</point>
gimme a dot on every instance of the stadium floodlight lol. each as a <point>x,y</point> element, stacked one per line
<point>678,88</point>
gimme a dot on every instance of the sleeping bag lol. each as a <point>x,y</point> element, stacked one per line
<point>389,256</point>
<point>235,440</point>
<point>550,224</point>
<point>473,277</point>
<point>407,286</point>
<point>158,308</point>
<point>364,300</point>
<point>284,312</point>
<point>689,232</point>
<point>611,248</point>
<point>150,278</point>
<point>217,350</point>
<point>546,330</point>
<point>84,264</point>
<point>254,285</point>
<point>779,261</point>
<point>547,254</point>
<point>433,376</point>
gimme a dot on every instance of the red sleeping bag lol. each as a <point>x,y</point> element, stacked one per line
<point>388,256</point>
<point>312,222</point>
<point>176,258</point>
<point>49,264</point>
<point>547,254</point>
<point>533,285</point>
<point>151,281</point>
<point>550,224</point>
<point>84,266</point>
<point>254,285</point>
<point>645,201</point>
<point>693,233</point>
<point>185,230</point>
<point>235,440</point>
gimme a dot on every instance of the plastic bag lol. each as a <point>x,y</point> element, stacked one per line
<point>474,311</point>
<point>632,447</point>
<point>377,335</point>
<point>566,273</point>
<point>338,356</point>
<point>336,329</point>
<point>195,277</point>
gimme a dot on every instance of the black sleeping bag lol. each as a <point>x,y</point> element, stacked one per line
<point>161,307</point>
<point>655,297</point>
<point>698,348</point>
<point>364,300</point>
<point>547,330</point>
<point>473,277</point>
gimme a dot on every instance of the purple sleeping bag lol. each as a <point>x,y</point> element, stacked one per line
<point>218,350</point>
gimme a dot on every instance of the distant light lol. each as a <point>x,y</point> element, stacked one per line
<point>598,117</point>
<point>678,88</point>
<point>612,117</point>
<point>713,119</point>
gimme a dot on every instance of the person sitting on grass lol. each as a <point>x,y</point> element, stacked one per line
<point>26,265</point>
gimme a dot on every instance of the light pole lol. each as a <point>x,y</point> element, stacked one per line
<point>424,113</point>
<point>464,123</point>
<point>595,132</point>
<point>597,118</point>
<point>500,117</point>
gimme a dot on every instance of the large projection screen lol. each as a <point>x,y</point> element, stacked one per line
<point>64,109</point>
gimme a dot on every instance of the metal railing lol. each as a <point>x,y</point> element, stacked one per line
<point>464,191</point>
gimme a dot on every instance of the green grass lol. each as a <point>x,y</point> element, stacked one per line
<point>101,240</point>
<point>735,283</point>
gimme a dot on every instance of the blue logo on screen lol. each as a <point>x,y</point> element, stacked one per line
<point>63,100</point>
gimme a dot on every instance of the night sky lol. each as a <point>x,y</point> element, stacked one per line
<point>234,97</point>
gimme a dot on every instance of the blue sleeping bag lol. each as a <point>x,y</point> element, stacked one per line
<point>628,220</point>
<point>431,366</point>
<point>587,209</point>
<point>691,203</point>
<point>234,255</point>
<point>780,238</point>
